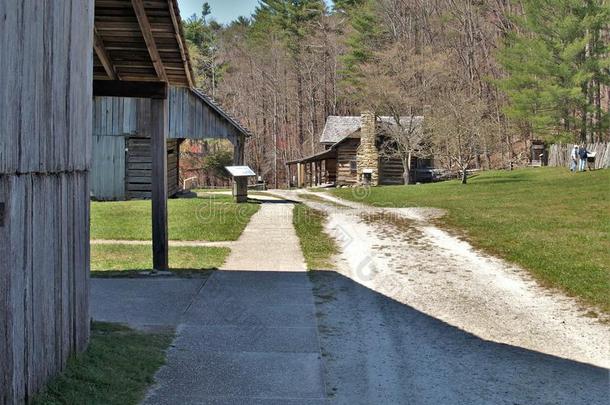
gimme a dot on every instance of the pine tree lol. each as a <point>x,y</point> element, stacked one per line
<point>557,62</point>
<point>202,37</point>
<point>366,38</point>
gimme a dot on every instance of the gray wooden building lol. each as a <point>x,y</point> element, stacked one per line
<point>122,165</point>
<point>45,144</point>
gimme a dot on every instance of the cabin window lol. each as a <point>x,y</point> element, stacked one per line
<point>353,166</point>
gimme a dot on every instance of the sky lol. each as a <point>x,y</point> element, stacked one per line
<point>223,11</point>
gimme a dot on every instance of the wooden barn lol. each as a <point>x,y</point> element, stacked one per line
<point>55,57</point>
<point>352,155</point>
<point>122,161</point>
<point>45,145</point>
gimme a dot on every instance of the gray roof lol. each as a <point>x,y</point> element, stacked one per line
<point>338,128</point>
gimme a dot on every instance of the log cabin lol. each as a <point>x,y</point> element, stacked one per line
<point>352,154</point>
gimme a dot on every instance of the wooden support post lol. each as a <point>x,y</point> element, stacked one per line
<point>159,131</point>
<point>324,172</point>
<point>312,174</point>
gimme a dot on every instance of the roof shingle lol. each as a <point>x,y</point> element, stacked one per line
<point>338,128</point>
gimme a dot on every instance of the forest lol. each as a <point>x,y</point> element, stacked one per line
<point>490,75</point>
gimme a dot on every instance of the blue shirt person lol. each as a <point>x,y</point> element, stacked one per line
<point>582,154</point>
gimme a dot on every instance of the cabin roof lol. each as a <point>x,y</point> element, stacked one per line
<point>137,40</point>
<point>327,154</point>
<point>338,128</point>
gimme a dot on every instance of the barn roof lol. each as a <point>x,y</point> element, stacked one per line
<point>218,109</point>
<point>143,41</point>
<point>140,40</point>
<point>338,128</point>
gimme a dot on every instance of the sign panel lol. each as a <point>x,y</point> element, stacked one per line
<point>240,171</point>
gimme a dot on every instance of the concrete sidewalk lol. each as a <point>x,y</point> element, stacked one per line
<point>269,242</point>
<point>243,337</point>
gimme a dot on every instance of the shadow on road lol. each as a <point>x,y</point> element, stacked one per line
<point>375,350</point>
<point>381,351</point>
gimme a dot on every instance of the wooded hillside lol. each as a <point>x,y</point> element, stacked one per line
<point>495,73</point>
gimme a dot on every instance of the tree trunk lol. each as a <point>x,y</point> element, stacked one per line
<point>407,169</point>
<point>465,175</point>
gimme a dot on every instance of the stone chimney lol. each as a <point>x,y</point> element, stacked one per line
<point>367,157</point>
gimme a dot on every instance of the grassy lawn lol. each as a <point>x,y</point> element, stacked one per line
<point>113,258</point>
<point>116,369</point>
<point>550,221</point>
<point>318,248</point>
<point>210,218</point>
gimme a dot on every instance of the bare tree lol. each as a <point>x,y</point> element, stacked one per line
<point>403,140</point>
<point>457,129</point>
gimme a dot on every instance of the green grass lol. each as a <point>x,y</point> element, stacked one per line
<point>550,221</point>
<point>318,248</point>
<point>321,200</point>
<point>116,369</point>
<point>117,258</point>
<point>211,218</point>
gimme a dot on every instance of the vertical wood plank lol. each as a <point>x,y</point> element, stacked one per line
<point>6,296</point>
<point>46,110</point>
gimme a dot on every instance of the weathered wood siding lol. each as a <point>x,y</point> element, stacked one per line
<point>346,153</point>
<point>189,117</point>
<point>139,168</point>
<point>129,119</point>
<point>108,168</point>
<point>115,116</point>
<point>391,171</point>
<point>45,144</point>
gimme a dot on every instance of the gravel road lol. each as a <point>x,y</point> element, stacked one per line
<point>504,338</point>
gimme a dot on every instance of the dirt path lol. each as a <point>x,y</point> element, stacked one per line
<point>400,254</point>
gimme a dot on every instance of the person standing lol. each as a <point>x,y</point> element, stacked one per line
<point>574,157</point>
<point>582,154</point>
